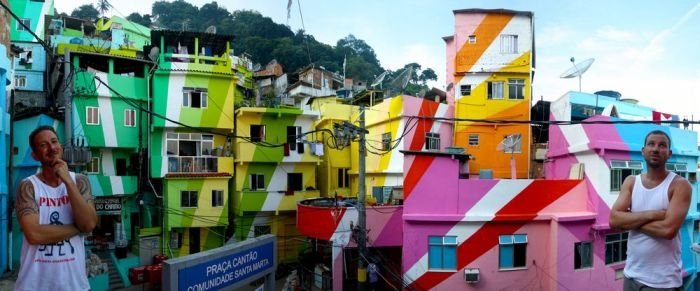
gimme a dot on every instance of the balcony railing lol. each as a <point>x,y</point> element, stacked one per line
<point>199,164</point>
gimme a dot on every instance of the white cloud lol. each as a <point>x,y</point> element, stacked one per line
<point>615,34</point>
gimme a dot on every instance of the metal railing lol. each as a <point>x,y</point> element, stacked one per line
<point>199,164</point>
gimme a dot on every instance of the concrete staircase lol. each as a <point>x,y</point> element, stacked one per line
<point>115,282</point>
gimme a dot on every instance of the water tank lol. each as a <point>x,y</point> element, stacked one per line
<point>610,93</point>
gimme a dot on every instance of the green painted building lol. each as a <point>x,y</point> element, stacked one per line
<point>191,161</point>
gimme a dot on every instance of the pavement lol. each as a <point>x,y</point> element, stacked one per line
<point>7,282</point>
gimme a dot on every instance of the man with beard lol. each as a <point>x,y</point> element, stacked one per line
<point>652,207</point>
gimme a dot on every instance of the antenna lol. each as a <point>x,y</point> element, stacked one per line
<point>378,81</point>
<point>509,144</point>
<point>211,29</point>
<point>577,70</point>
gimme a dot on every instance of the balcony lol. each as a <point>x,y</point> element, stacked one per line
<point>273,201</point>
<point>200,164</point>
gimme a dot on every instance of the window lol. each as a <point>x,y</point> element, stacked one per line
<point>432,141</point>
<point>92,115</point>
<point>295,182</point>
<point>343,178</point>
<point>93,166</point>
<point>516,89</point>
<point>257,182</point>
<point>382,194</point>
<point>583,255</point>
<point>217,198</point>
<point>619,170</point>
<point>473,139</point>
<point>20,81</point>
<point>465,90</point>
<point>194,97</point>
<point>509,44</point>
<point>259,230</point>
<point>257,133</point>
<point>188,198</point>
<point>26,21</point>
<point>615,248</point>
<point>189,144</point>
<point>472,39</point>
<point>294,139</point>
<point>129,117</point>
<point>386,141</point>
<point>495,90</point>
<point>512,251</point>
<point>512,143</point>
<point>442,252</point>
<point>679,169</point>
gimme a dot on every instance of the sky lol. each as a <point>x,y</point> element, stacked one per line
<point>646,50</point>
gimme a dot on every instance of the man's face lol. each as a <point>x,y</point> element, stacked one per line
<point>656,151</point>
<point>47,148</point>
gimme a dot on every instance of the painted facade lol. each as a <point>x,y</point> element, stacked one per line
<point>190,156</point>
<point>275,168</point>
<point>399,123</point>
<point>490,58</point>
<point>32,14</point>
<point>5,76</point>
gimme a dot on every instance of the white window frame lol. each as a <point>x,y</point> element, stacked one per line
<point>217,198</point>
<point>129,118</point>
<point>26,21</point>
<point>509,43</point>
<point>473,139</point>
<point>618,168</point>
<point>471,39</point>
<point>680,169</point>
<point>93,166</point>
<point>255,181</point>
<point>187,97</point>
<point>20,81</point>
<point>621,243</point>
<point>492,93</point>
<point>516,89</point>
<point>96,114</point>
<point>189,198</point>
<point>449,241</point>
<point>432,141</point>
<point>206,142</point>
<point>465,90</point>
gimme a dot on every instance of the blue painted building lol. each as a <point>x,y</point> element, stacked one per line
<point>5,75</point>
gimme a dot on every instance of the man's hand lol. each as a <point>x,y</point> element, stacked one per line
<point>60,168</point>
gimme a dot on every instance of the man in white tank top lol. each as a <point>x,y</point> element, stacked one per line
<point>652,207</point>
<point>53,208</point>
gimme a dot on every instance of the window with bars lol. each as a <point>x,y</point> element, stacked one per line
<point>442,252</point>
<point>92,115</point>
<point>217,198</point>
<point>512,251</point>
<point>473,140</point>
<point>20,81</point>
<point>619,170</point>
<point>432,141</point>
<point>188,198</point>
<point>616,248</point>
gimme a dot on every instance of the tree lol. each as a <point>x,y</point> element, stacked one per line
<point>172,15</point>
<point>103,6</point>
<point>427,74</point>
<point>144,20</point>
<point>86,12</point>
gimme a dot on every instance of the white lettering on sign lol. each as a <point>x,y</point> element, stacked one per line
<point>227,271</point>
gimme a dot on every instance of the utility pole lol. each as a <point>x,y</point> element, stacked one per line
<point>362,215</point>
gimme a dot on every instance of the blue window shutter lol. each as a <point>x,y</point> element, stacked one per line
<point>450,257</point>
<point>435,257</point>
<point>505,256</point>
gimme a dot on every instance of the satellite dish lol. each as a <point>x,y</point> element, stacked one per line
<point>509,144</point>
<point>577,70</point>
<point>154,54</point>
<point>211,29</point>
<point>378,81</point>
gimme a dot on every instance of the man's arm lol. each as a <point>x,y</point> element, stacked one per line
<point>28,216</point>
<point>84,214</point>
<point>675,214</point>
<point>620,216</point>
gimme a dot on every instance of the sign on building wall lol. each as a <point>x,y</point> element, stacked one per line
<point>229,267</point>
<point>110,205</point>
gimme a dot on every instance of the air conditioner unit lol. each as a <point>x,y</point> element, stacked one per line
<point>472,275</point>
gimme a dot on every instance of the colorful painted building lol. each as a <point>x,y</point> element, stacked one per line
<point>191,161</point>
<point>335,168</point>
<point>399,123</point>
<point>490,58</point>
<point>275,166</point>
<point>32,14</point>
<point>5,80</point>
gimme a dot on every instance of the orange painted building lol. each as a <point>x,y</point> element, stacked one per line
<point>490,58</point>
